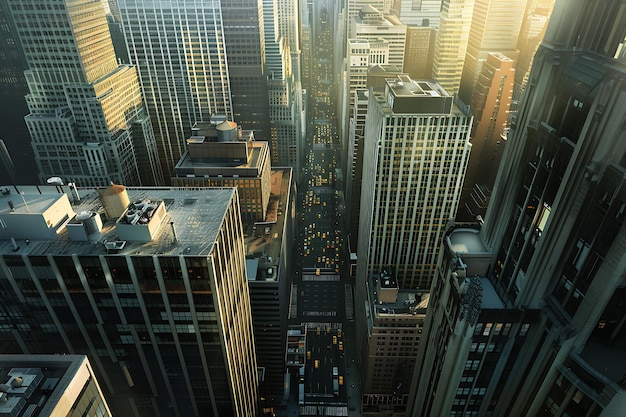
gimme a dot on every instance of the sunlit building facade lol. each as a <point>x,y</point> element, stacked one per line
<point>451,43</point>
<point>179,49</point>
<point>87,120</point>
<point>416,151</point>
<point>495,28</point>
<point>154,292</point>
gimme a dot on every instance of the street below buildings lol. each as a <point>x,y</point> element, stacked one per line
<point>322,291</point>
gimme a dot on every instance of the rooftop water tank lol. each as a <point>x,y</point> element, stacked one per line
<point>114,200</point>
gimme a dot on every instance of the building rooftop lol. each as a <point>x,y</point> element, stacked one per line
<point>264,240</point>
<point>404,86</point>
<point>39,384</point>
<point>196,214</point>
<point>466,241</point>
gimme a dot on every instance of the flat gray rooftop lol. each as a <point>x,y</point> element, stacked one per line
<point>466,240</point>
<point>197,215</point>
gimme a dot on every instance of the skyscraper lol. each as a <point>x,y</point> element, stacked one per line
<point>179,49</point>
<point>50,385</point>
<point>554,231</point>
<point>416,151</point>
<point>490,105</point>
<point>284,87</point>
<point>87,120</point>
<point>495,28</point>
<point>451,43</point>
<point>154,292</point>
<point>423,13</point>
<point>13,88</point>
<point>245,50</point>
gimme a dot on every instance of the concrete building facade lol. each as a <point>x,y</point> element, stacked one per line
<point>154,292</point>
<point>87,120</point>
<point>555,229</point>
<point>416,151</point>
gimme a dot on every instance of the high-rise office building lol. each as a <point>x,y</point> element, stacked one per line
<point>179,49</point>
<point>13,88</point>
<point>376,76</point>
<point>416,151</point>
<point>353,7</point>
<point>419,51</point>
<point>245,53</point>
<point>451,43</point>
<point>154,292</point>
<point>422,13</point>
<point>49,385</point>
<point>555,232</point>
<point>495,28</point>
<point>394,328</point>
<point>219,154</point>
<point>87,120</point>
<point>284,87</point>
<point>531,34</point>
<point>372,24</point>
<point>490,106</point>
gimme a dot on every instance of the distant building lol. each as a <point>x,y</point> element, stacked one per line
<point>354,7</point>
<point>422,13</point>
<point>451,43</point>
<point>220,154</point>
<point>419,51</point>
<point>395,319</point>
<point>495,28</point>
<point>372,24</point>
<point>49,385</point>
<point>490,106</point>
<point>149,283</point>
<point>87,120</point>
<point>244,49</point>
<point>173,44</point>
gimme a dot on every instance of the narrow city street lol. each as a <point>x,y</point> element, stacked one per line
<point>322,291</point>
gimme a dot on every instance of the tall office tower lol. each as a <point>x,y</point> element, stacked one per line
<point>13,88</point>
<point>371,24</point>
<point>468,330</point>
<point>153,292</point>
<point>49,385</point>
<point>419,51</point>
<point>451,43</point>
<point>220,154</point>
<point>269,268</point>
<point>416,151</point>
<point>245,49</point>
<point>490,107</point>
<point>495,28</point>
<point>376,76</point>
<point>354,7</point>
<point>284,89</point>
<point>423,13</point>
<point>531,34</point>
<point>361,55</point>
<point>179,49</point>
<point>87,121</point>
<point>306,29</point>
<point>555,226</point>
<point>395,323</point>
